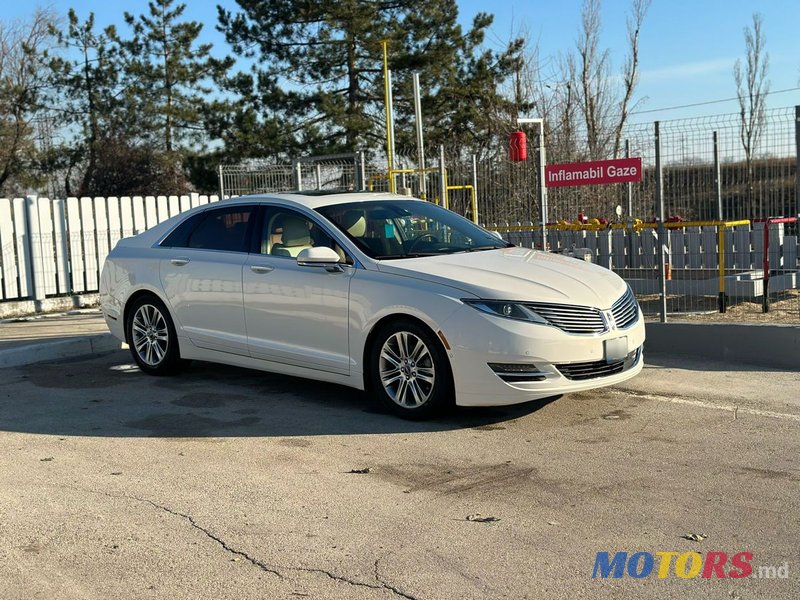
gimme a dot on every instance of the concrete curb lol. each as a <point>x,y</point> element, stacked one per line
<point>776,346</point>
<point>36,352</point>
<point>31,308</point>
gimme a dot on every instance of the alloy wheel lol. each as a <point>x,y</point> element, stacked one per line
<point>407,370</point>
<point>150,335</point>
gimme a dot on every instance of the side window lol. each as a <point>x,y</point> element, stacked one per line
<point>286,233</point>
<point>376,231</point>
<point>179,237</point>
<point>223,229</point>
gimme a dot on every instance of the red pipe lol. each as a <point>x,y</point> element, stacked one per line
<point>767,223</point>
<point>765,304</point>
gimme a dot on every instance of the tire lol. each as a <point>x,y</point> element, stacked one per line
<point>410,372</point>
<point>152,338</point>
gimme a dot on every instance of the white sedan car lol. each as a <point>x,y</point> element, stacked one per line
<point>374,291</point>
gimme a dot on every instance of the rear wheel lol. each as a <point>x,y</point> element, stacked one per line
<point>152,338</point>
<point>410,371</point>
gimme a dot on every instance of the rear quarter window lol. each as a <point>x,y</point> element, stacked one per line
<point>217,229</point>
<point>179,237</point>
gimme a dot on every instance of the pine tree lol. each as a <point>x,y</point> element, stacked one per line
<point>86,92</point>
<point>320,67</point>
<point>167,73</point>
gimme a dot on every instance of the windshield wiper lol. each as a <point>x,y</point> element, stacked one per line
<point>480,248</point>
<point>408,255</point>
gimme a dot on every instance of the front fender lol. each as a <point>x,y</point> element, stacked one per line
<point>374,296</point>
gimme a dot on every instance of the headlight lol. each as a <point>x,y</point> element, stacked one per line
<point>509,310</point>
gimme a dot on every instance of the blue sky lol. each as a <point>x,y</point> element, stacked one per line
<point>688,47</point>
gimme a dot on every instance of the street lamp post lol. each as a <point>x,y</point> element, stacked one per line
<point>542,185</point>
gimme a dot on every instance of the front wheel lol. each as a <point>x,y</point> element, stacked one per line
<point>410,371</point>
<point>152,338</point>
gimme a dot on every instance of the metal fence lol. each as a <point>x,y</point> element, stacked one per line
<point>333,172</point>
<point>705,175</point>
<point>713,270</point>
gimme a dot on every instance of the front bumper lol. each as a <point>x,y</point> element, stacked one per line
<point>562,362</point>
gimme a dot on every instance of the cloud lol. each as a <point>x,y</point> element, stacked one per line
<point>687,70</point>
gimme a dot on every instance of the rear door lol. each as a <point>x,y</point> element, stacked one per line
<point>201,274</point>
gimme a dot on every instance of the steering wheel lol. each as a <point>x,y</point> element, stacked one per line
<point>413,243</point>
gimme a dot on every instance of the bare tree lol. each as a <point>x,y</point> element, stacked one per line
<point>604,107</point>
<point>23,48</point>
<point>752,88</point>
<point>630,72</point>
<point>593,75</point>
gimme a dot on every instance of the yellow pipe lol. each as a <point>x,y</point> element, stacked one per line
<point>679,224</point>
<point>389,157</point>
<point>636,226</point>
<point>372,179</point>
<point>426,170</point>
<point>445,200</point>
<point>473,199</point>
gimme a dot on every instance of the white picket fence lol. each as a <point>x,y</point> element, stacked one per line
<point>55,247</point>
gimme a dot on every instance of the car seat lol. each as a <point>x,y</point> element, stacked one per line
<point>294,239</point>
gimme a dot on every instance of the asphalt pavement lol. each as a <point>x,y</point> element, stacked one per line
<point>228,483</point>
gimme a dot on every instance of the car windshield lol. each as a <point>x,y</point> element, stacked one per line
<point>391,229</point>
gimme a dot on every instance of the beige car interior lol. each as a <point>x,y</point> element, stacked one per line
<point>289,234</point>
<point>356,225</point>
<point>295,237</point>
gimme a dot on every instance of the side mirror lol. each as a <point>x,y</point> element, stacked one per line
<point>496,234</point>
<point>321,256</point>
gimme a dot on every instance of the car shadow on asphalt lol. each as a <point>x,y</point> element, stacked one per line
<point>109,396</point>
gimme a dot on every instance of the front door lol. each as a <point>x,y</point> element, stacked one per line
<point>296,315</point>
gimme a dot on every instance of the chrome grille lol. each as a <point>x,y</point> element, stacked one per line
<point>570,318</point>
<point>599,368</point>
<point>625,310</point>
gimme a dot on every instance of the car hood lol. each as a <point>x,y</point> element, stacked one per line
<point>516,274</point>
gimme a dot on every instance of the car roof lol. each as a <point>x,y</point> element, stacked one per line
<point>315,198</point>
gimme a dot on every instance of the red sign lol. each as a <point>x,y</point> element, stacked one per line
<point>619,170</point>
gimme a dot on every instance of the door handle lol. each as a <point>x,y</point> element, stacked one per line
<point>261,268</point>
<point>179,262</point>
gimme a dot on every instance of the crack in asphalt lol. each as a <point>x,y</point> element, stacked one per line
<point>384,585</point>
<point>264,567</point>
<point>389,586</point>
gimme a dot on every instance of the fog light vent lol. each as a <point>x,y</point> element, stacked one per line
<point>517,372</point>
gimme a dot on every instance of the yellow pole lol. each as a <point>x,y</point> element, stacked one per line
<point>721,261</point>
<point>474,198</point>
<point>389,157</point>
<point>445,200</point>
